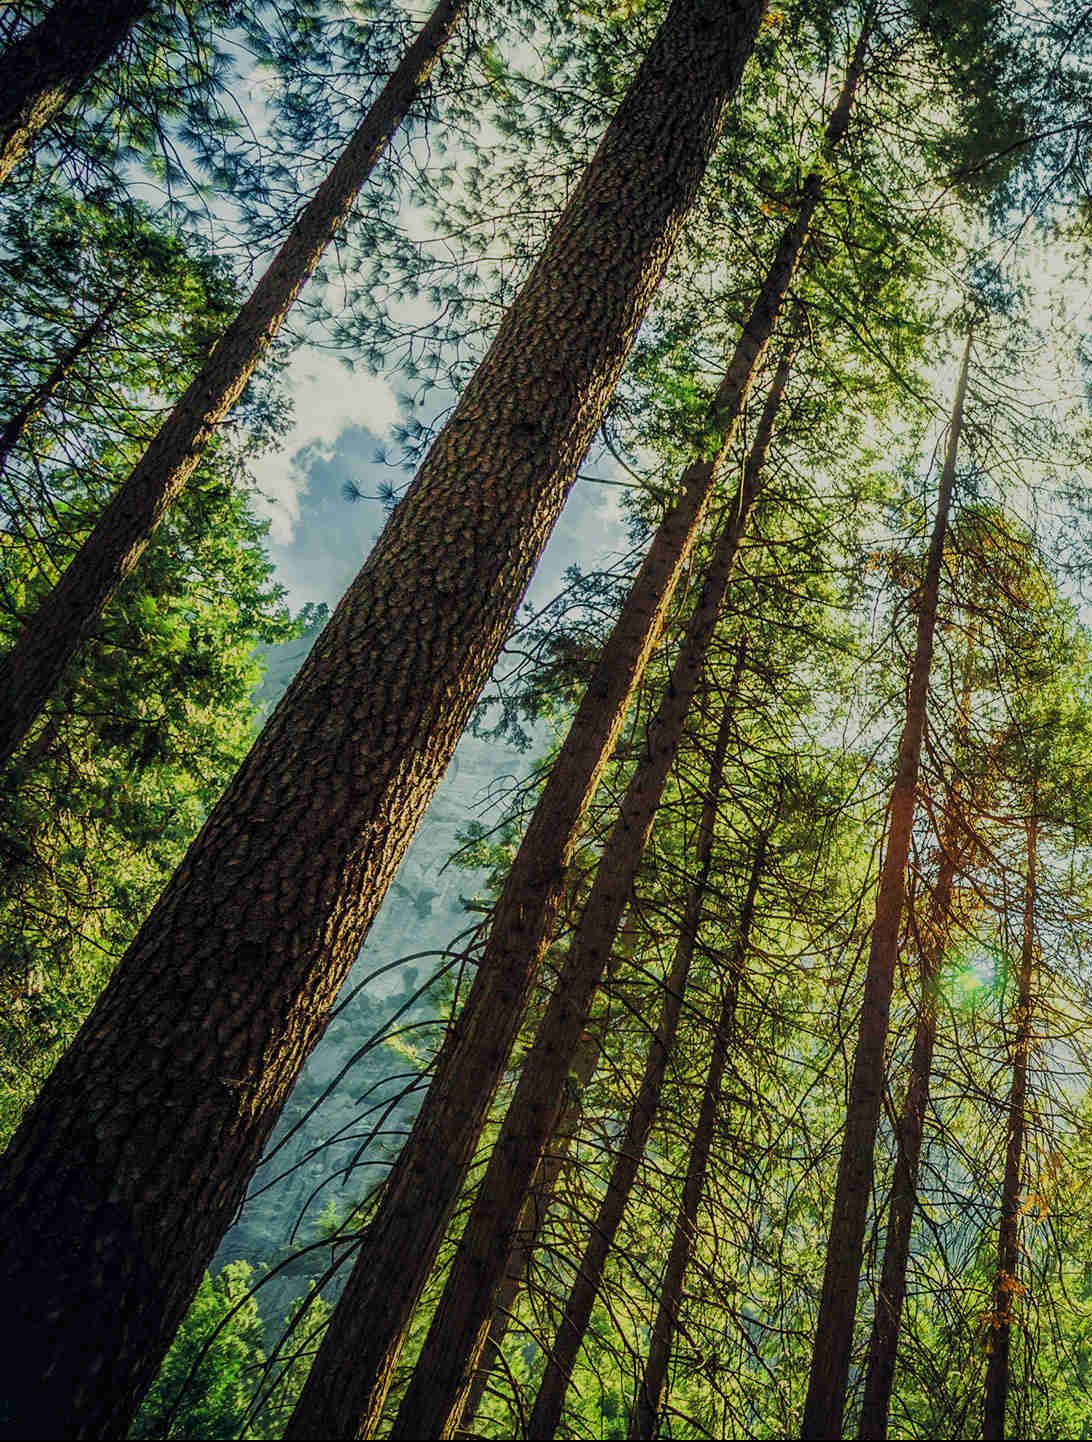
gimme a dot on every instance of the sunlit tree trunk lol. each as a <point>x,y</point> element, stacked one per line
<point>1006,1283</point>
<point>645,1414</point>
<point>43,69</point>
<point>52,636</point>
<point>452,1350</point>
<point>825,1405</point>
<point>130,1165</point>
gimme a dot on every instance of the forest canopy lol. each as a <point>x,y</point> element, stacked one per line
<point>546,719</point>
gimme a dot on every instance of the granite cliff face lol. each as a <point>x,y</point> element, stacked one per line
<point>423,912</point>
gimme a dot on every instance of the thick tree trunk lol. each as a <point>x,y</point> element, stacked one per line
<point>52,637</point>
<point>645,1415</point>
<point>825,1405</point>
<point>436,1394</point>
<point>884,1342</point>
<point>42,70</point>
<point>562,1355</point>
<point>129,1167</point>
<point>1008,1235</point>
<point>15,427</point>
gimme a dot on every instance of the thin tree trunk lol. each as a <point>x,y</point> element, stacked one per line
<point>52,637</point>
<point>1008,1235</point>
<point>644,1419</point>
<point>127,1170</point>
<point>437,1389</point>
<point>43,69</point>
<point>884,1342</point>
<point>15,427</point>
<point>533,1217</point>
<point>825,1404</point>
<point>562,1355</point>
<point>528,1233</point>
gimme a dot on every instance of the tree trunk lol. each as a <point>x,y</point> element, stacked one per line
<point>884,1342</point>
<point>533,1217</point>
<point>1008,1235</point>
<point>52,637</point>
<point>15,427</point>
<point>436,1393</point>
<point>42,70</point>
<point>562,1355</point>
<point>132,1162</point>
<point>825,1405</point>
<point>644,1420</point>
<point>528,1232</point>
<point>428,1175</point>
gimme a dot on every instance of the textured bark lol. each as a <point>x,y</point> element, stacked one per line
<point>15,427</point>
<point>1008,1234</point>
<point>909,1133</point>
<point>562,1355</point>
<point>392,1267</point>
<point>644,1417</point>
<point>825,1405</point>
<point>42,70</point>
<point>52,637</point>
<point>127,1170</point>
<point>436,1394</point>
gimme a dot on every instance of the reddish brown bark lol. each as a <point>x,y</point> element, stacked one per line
<point>825,1404</point>
<point>910,1130</point>
<point>437,1390</point>
<point>129,1167</point>
<point>1006,1282</point>
<point>561,1356</point>
<point>53,635</point>
<point>42,70</point>
<point>645,1414</point>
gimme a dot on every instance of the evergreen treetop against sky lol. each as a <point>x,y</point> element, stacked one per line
<point>546,701</point>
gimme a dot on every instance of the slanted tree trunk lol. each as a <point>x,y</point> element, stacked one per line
<point>645,1414</point>
<point>533,1217</point>
<point>1006,1282</point>
<point>562,1355</point>
<point>129,1167</point>
<point>51,638</point>
<point>825,1404</point>
<point>44,68</point>
<point>15,427</point>
<point>437,1390</point>
<point>884,1342</point>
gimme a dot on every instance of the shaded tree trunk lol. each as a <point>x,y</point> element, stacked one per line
<point>910,1130</point>
<point>53,635</point>
<point>43,69</point>
<point>15,427</point>
<point>644,1418</point>
<point>825,1404</point>
<point>452,1350</point>
<point>533,1217</point>
<point>1005,1287</point>
<point>130,1165</point>
<point>562,1355</point>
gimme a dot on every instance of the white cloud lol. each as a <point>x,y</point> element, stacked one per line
<point>327,399</point>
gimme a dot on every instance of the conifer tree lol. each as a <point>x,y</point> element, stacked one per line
<point>138,1160</point>
<point>825,1403</point>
